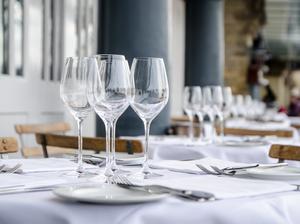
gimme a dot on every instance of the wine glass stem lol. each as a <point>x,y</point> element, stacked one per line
<point>80,166</point>
<point>200,118</point>
<point>113,146</point>
<point>108,172</point>
<point>221,117</point>
<point>146,169</point>
<point>191,128</point>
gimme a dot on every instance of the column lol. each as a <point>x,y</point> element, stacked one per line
<point>134,28</point>
<point>204,61</point>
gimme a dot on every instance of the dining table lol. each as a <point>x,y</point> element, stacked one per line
<point>240,200</point>
<point>182,148</point>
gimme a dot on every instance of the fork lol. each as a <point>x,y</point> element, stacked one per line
<point>207,171</point>
<point>218,170</point>
<point>187,194</point>
<point>2,167</point>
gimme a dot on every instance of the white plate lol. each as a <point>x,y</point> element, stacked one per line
<point>106,194</point>
<point>244,143</point>
<point>278,173</point>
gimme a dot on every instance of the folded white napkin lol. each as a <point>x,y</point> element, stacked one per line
<point>43,165</point>
<point>190,166</point>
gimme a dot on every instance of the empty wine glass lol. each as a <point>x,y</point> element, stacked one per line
<point>73,92</point>
<point>109,93</point>
<point>150,94</point>
<point>191,100</point>
<point>240,106</point>
<point>228,100</point>
<point>198,107</point>
<point>217,101</point>
<point>208,110</point>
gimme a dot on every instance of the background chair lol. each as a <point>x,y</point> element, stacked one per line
<point>8,145</point>
<point>95,144</point>
<point>251,132</point>
<point>285,152</point>
<point>180,126</point>
<point>31,129</point>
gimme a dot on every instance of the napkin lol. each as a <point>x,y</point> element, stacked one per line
<point>43,165</point>
<point>190,166</point>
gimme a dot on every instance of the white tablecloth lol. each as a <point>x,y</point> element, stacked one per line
<point>44,207</point>
<point>178,148</point>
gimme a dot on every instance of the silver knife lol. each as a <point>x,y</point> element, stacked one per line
<point>190,194</point>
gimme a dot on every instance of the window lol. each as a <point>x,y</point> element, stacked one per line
<point>18,36</point>
<point>4,37</point>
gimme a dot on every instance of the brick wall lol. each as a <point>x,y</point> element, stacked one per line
<point>243,18</point>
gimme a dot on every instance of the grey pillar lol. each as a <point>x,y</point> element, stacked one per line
<point>134,28</point>
<point>204,64</point>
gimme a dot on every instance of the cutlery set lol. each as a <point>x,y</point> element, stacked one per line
<point>6,169</point>
<point>201,196</point>
<point>230,171</point>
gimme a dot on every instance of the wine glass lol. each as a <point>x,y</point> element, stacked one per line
<point>191,97</point>
<point>228,100</point>
<point>240,105</point>
<point>208,110</point>
<point>73,92</point>
<point>150,95</point>
<point>218,101</point>
<point>109,93</point>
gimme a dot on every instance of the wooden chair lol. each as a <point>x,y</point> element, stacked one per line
<point>95,144</point>
<point>31,129</point>
<point>251,132</point>
<point>285,152</point>
<point>8,145</point>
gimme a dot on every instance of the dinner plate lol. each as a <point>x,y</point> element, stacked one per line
<point>278,173</point>
<point>106,194</point>
<point>244,143</point>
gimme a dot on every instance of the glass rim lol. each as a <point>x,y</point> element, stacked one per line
<point>192,87</point>
<point>147,58</point>
<point>107,56</point>
<point>76,58</point>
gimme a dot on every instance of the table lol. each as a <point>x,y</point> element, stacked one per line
<point>46,208</point>
<point>180,148</point>
<point>43,207</point>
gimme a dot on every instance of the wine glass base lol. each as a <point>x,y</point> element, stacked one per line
<point>82,174</point>
<point>121,171</point>
<point>147,175</point>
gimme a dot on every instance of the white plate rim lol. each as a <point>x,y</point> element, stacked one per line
<point>263,173</point>
<point>66,193</point>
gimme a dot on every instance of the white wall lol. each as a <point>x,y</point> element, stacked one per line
<point>176,54</point>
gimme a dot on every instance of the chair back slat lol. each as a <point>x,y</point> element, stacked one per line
<point>285,152</point>
<point>8,145</point>
<point>251,132</point>
<point>95,144</point>
<point>27,129</point>
<point>44,128</point>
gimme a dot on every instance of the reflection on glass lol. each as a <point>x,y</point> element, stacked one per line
<point>18,18</point>
<point>4,37</point>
